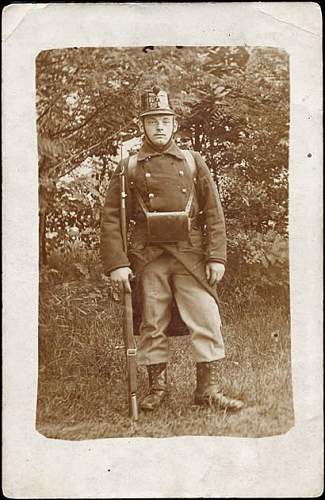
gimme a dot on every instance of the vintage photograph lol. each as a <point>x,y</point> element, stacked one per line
<point>163,242</point>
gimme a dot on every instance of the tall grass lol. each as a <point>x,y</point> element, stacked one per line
<point>82,383</point>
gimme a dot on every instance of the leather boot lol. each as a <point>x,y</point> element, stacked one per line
<point>208,393</point>
<point>157,386</point>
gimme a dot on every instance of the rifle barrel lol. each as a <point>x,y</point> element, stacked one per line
<point>130,344</point>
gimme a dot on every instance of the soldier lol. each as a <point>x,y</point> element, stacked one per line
<point>171,196</point>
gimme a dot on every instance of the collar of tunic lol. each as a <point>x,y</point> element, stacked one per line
<point>148,151</point>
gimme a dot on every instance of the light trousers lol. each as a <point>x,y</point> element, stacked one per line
<point>160,280</point>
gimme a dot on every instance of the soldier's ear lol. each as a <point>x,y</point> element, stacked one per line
<point>175,126</point>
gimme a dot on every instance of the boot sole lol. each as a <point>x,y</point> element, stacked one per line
<point>153,407</point>
<point>217,405</point>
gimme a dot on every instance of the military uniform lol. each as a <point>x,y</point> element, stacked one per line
<point>174,269</point>
<point>164,182</point>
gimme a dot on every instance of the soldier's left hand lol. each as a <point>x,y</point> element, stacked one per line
<point>214,272</point>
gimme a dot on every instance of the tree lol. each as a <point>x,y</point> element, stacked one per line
<point>84,107</point>
<point>233,107</point>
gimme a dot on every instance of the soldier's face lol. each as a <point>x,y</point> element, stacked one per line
<point>159,128</point>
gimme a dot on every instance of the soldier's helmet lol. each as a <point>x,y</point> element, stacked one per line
<point>155,102</point>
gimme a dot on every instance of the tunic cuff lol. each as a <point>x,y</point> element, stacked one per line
<point>111,269</point>
<point>221,261</point>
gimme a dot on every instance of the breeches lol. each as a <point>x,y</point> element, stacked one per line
<point>160,280</point>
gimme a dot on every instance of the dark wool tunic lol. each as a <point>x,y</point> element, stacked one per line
<point>164,181</point>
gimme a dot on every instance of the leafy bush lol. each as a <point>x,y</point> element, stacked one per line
<point>257,273</point>
<point>73,261</point>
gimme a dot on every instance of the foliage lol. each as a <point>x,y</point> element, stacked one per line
<point>257,273</point>
<point>233,107</point>
<point>76,211</point>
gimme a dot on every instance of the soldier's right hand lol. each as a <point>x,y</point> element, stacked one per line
<point>123,276</point>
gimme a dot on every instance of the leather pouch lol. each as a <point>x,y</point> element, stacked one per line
<point>168,227</point>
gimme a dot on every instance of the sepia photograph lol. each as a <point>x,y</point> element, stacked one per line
<point>163,242</point>
<point>162,250</point>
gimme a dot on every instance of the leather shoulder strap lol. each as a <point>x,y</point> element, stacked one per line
<point>132,164</point>
<point>190,161</point>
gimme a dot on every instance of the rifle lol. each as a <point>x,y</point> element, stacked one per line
<point>130,344</point>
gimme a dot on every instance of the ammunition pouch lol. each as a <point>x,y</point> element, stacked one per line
<point>167,227</point>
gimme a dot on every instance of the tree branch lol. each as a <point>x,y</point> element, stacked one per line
<point>72,130</point>
<point>87,150</point>
<point>57,97</point>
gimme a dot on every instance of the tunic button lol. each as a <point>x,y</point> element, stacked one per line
<point>151,195</point>
<point>183,190</point>
<point>181,173</point>
<point>148,174</point>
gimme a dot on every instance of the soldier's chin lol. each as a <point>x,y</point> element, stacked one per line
<point>160,141</point>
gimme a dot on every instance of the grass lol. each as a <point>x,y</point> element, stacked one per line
<point>82,384</point>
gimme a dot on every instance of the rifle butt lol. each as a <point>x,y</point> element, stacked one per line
<point>133,407</point>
